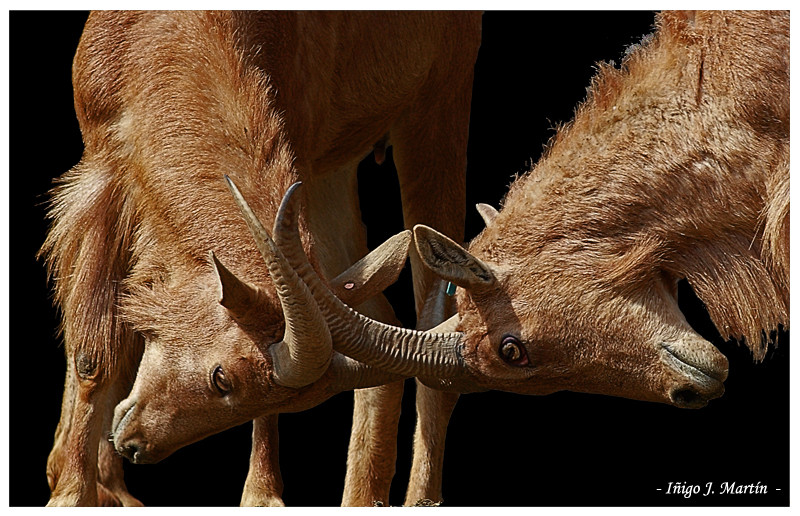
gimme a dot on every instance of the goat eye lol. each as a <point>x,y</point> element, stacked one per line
<point>220,381</point>
<point>513,352</point>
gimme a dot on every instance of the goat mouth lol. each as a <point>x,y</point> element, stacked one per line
<point>690,366</point>
<point>701,381</point>
<point>119,423</point>
<point>130,446</point>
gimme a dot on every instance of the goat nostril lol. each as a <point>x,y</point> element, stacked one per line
<point>688,398</point>
<point>129,451</point>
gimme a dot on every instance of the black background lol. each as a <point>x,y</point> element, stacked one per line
<point>502,449</point>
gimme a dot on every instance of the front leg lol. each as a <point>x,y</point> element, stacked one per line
<point>372,454</point>
<point>111,489</point>
<point>72,464</point>
<point>83,469</point>
<point>434,409</point>
<point>264,484</point>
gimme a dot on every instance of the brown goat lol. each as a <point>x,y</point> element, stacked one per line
<point>168,102</point>
<point>676,166</point>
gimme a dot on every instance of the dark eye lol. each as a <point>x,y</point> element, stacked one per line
<point>220,381</point>
<point>512,351</point>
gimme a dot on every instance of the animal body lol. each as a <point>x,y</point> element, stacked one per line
<point>153,266</point>
<point>676,166</point>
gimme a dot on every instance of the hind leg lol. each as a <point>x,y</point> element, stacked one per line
<point>430,151</point>
<point>372,453</point>
<point>434,409</point>
<point>339,231</point>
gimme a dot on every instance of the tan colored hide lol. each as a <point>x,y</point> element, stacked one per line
<point>676,166</point>
<point>168,102</point>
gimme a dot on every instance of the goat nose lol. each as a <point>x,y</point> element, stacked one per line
<point>689,396</point>
<point>129,450</point>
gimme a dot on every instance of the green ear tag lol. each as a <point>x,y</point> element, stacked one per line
<point>451,289</point>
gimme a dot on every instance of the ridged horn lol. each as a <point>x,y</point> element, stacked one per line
<point>304,354</point>
<point>349,374</point>
<point>395,350</point>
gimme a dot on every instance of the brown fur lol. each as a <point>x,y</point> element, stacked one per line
<point>167,104</point>
<point>676,162</point>
<point>675,166</point>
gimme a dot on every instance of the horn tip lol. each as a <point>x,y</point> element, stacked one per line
<point>292,189</point>
<point>406,236</point>
<point>212,256</point>
<point>232,187</point>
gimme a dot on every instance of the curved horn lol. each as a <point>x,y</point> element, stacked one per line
<point>351,374</point>
<point>395,350</point>
<point>305,351</point>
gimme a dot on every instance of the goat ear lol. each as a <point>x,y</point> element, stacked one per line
<point>488,213</point>
<point>234,294</point>
<point>451,261</point>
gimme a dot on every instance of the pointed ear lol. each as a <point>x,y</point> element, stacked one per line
<point>451,261</point>
<point>234,294</point>
<point>488,213</point>
<point>372,274</point>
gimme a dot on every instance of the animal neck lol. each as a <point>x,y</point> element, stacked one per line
<point>668,166</point>
<point>210,102</point>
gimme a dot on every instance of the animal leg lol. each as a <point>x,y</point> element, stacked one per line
<point>430,151</point>
<point>57,457</point>
<point>433,413</point>
<point>111,489</point>
<point>72,466</point>
<point>83,468</point>
<point>372,453</point>
<point>264,484</point>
